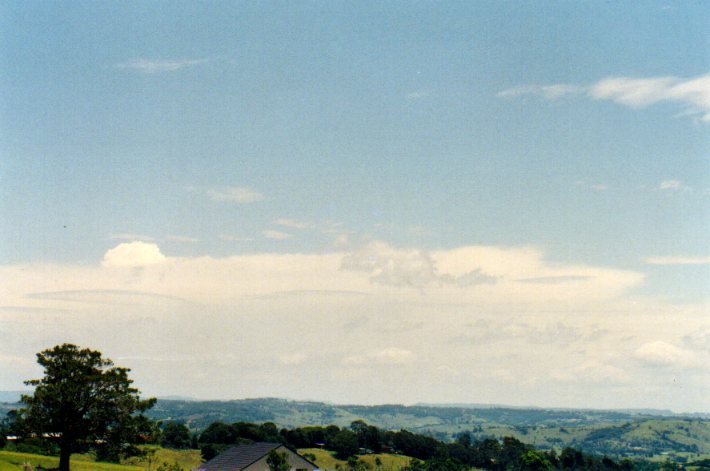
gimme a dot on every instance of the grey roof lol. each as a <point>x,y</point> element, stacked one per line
<point>239,457</point>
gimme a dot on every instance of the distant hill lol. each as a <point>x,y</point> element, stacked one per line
<point>629,433</point>
<point>618,433</point>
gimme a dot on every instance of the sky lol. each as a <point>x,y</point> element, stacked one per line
<point>362,202</point>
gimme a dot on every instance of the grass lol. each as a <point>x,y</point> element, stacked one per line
<point>187,459</point>
<point>13,461</point>
<point>325,460</point>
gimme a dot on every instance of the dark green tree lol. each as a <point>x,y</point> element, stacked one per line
<point>278,461</point>
<point>175,435</point>
<point>344,443</point>
<point>83,400</point>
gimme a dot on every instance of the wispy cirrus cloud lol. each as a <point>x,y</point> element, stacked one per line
<point>592,186</point>
<point>276,235</point>
<point>292,223</point>
<point>418,94</point>
<point>678,260</point>
<point>230,194</point>
<point>149,66</point>
<point>691,93</point>
<point>673,186</point>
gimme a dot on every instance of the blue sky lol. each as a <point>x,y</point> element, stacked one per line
<point>566,141</point>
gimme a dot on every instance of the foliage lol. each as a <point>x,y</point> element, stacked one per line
<point>278,461</point>
<point>344,444</point>
<point>84,402</point>
<point>175,435</point>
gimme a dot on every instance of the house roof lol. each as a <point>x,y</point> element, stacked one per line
<point>239,457</point>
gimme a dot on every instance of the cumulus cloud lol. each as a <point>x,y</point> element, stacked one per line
<point>661,353</point>
<point>133,254</point>
<point>693,94</point>
<point>405,267</point>
<point>147,66</point>
<point>276,235</point>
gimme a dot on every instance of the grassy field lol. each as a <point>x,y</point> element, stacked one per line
<point>12,461</point>
<point>187,459</point>
<point>326,461</point>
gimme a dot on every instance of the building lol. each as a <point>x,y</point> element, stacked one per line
<point>253,458</point>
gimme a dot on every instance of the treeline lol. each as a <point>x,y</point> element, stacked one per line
<point>429,454</point>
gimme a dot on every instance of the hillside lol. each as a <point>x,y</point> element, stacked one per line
<point>635,434</point>
<point>614,433</point>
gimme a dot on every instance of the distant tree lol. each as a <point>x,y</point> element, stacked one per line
<point>464,439</point>
<point>534,460</point>
<point>344,443</point>
<point>82,400</point>
<point>219,432</point>
<point>278,461</point>
<point>175,435</point>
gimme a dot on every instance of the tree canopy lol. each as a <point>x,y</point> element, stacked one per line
<point>84,402</point>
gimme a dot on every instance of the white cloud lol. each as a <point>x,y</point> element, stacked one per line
<point>133,254</point>
<point>673,186</point>
<point>276,235</point>
<point>678,260</point>
<point>549,92</point>
<point>147,66</point>
<point>315,319</point>
<point>405,267</point>
<point>692,93</point>
<point>292,223</point>
<point>661,353</point>
<point>234,194</point>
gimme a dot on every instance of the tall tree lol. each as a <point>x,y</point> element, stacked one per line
<point>83,401</point>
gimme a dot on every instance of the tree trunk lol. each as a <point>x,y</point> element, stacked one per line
<point>64,456</point>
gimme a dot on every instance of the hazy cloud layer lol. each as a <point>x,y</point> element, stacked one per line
<point>376,315</point>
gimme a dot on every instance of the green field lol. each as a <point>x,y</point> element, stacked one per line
<point>326,461</point>
<point>187,459</point>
